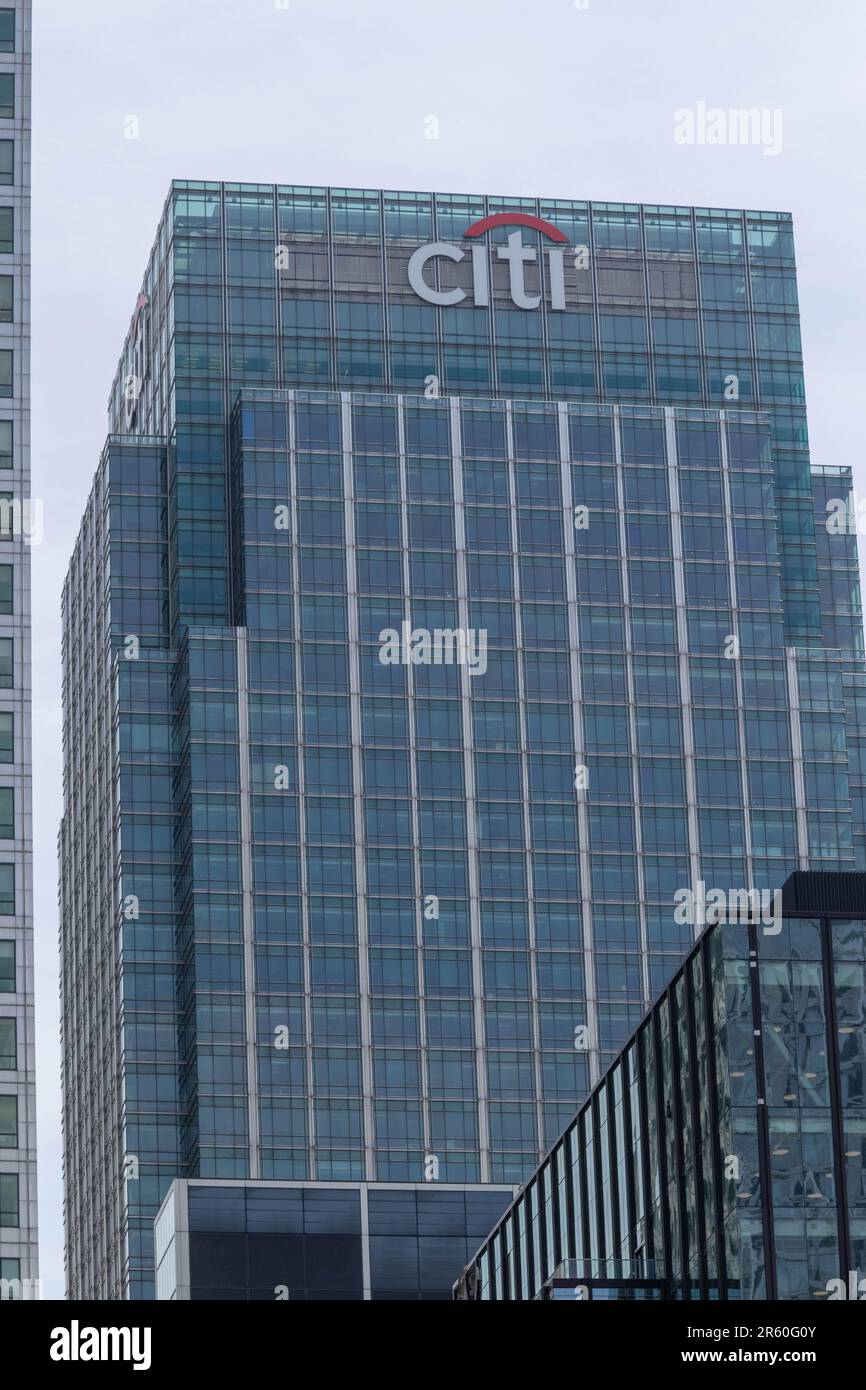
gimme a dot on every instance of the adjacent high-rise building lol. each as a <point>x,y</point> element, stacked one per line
<point>723,1154</point>
<point>455,609</point>
<point>19,527</point>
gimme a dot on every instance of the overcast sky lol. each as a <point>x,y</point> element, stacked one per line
<point>553,97</point>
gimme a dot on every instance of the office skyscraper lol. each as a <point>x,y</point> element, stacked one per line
<point>450,598</point>
<point>18,528</point>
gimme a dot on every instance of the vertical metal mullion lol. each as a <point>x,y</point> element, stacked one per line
<point>556,1161</point>
<point>763,1127</point>
<point>492,342</point>
<point>628,1141</point>
<point>306,944</point>
<point>737,664</point>
<point>226,429</point>
<point>661,1131</point>
<point>598,355</point>
<point>837,1112</point>
<point>471,802</point>
<point>750,317</point>
<point>543,310</point>
<point>703,365</point>
<point>715,1131</point>
<point>571,1212</point>
<point>616,1233</point>
<point>628,661</point>
<point>650,337</point>
<point>366,1277</point>
<point>643,1107</point>
<point>697,1139</point>
<point>518,1255</point>
<point>583,1182</point>
<point>792,674</point>
<point>587,937</point>
<point>330,251</point>
<point>598,1200</point>
<point>253,1121</point>
<point>426,1123</point>
<point>683,652</point>
<point>278,293</point>
<point>679,1146</point>
<point>358,786</point>
<point>524,779</point>
<point>439,345</point>
<point>384,298</point>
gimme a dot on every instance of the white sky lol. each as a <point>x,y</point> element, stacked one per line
<point>532,98</point>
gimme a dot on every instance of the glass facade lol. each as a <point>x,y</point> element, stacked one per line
<point>19,525</point>
<point>723,1155</point>
<point>311,1241</point>
<point>416,657</point>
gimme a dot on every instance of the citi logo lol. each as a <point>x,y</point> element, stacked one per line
<point>517,256</point>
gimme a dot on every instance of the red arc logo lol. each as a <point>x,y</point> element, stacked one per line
<point>512,219</point>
